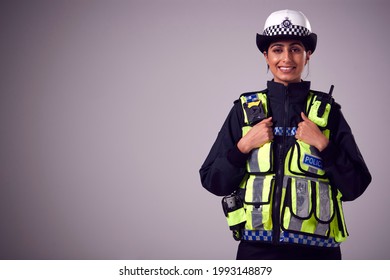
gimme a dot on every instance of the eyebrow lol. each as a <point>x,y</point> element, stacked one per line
<point>282,45</point>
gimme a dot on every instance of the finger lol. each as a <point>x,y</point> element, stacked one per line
<point>269,121</point>
<point>266,121</point>
<point>298,133</point>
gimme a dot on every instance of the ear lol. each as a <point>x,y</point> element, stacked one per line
<point>308,55</point>
<point>266,56</point>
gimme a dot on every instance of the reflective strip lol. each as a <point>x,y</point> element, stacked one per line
<point>253,161</point>
<point>324,202</point>
<point>290,131</point>
<point>302,198</point>
<point>295,224</point>
<point>257,199</point>
<point>257,194</point>
<point>257,217</point>
<point>299,203</point>
<point>285,180</point>
<point>285,237</point>
<point>258,189</point>
<point>261,159</point>
<point>321,229</point>
<point>286,177</point>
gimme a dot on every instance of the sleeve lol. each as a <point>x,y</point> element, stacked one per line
<point>224,167</point>
<point>343,162</point>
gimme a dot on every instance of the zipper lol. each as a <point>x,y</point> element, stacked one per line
<point>277,197</point>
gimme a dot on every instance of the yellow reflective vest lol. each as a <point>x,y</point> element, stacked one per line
<point>310,210</point>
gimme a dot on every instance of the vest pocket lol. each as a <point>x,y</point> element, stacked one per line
<point>258,202</point>
<point>308,207</point>
<point>304,160</point>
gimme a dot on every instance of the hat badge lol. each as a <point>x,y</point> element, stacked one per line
<point>286,23</point>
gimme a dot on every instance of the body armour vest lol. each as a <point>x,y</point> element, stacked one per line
<point>296,204</point>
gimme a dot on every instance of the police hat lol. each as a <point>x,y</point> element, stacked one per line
<point>287,24</point>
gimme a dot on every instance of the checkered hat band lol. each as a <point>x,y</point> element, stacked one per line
<point>295,30</point>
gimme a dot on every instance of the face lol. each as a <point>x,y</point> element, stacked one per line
<point>287,60</point>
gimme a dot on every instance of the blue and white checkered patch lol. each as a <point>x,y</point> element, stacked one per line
<point>257,235</point>
<point>252,98</point>
<point>285,237</point>
<point>290,131</point>
<point>307,240</point>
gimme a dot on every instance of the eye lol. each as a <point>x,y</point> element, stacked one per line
<point>277,50</point>
<point>296,50</point>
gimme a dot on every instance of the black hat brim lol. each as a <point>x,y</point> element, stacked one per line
<point>310,41</point>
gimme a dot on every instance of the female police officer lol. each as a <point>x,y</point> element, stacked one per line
<point>285,158</point>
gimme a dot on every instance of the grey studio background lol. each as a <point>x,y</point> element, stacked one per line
<point>108,109</point>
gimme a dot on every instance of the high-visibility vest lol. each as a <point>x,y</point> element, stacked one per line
<point>310,207</point>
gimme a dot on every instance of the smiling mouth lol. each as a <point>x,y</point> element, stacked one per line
<point>286,69</point>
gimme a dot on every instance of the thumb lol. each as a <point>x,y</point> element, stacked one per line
<point>269,119</point>
<point>304,118</point>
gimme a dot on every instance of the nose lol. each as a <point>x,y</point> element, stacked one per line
<point>286,55</point>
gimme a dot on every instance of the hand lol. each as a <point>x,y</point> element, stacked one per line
<point>309,133</point>
<point>257,136</point>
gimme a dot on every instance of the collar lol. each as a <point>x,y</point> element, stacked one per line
<point>297,92</point>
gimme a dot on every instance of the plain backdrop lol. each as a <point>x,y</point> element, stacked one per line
<point>109,108</point>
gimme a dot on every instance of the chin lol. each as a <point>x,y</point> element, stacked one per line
<point>290,79</point>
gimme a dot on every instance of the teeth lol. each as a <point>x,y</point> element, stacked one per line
<point>286,69</point>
